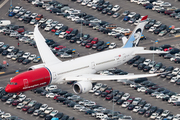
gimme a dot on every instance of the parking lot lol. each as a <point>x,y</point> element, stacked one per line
<point>126,5</point>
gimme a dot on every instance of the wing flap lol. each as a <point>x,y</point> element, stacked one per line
<point>45,52</point>
<point>96,77</point>
<point>148,52</point>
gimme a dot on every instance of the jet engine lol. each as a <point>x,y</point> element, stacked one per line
<point>36,66</point>
<point>82,87</point>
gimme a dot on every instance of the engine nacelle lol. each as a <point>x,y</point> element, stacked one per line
<point>36,66</point>
<point>82,87</point>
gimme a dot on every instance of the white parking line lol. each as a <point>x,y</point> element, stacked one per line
<point>3,3</point>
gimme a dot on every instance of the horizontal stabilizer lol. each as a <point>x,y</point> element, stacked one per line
<point>94,77</point>
<point>148,52</point>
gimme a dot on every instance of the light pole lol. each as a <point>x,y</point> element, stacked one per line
<point>10,3</point>
<point>153,48</point>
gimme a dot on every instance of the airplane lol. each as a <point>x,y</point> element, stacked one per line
<point>82,69</point>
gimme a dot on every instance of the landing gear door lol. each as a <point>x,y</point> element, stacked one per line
<point>54,75</point>
<point>92,65</point>
<point>25,82</point>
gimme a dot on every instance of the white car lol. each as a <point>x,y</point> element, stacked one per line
<point>112,45</point>
<point>85,2</point>
<point>50,95</point>
<point>32,103</point>
<point>118,29</point>
<point>173,79</point>
<point>53,113</point>
<point>1,44</point>
<point>147,61</point>
<point>142,89</point>
<point>48,28</point>
<point>26,101</point>
<point>77,107</point>
<point>116,8</point>
<point>95,21</point>
<point>136,109</point>
<point>49,21</point>
<point>75,19</point>
<point>125,30</point>
<point>70,17</point>
<point>28,13</point>
<point>42,20</point>
<point>98,86</point>
<point>157,8</point>
<point>9,55</point>
<point>125,104</point>
<point>29,34</point>
<point>90,4</point>
<point>141,2</point>
<point>32,57</point>
<point>43,107</point>
<point>22,97</point>
<point>20,105</point>
<point>10,48</point>
<point>1,112</point>
<point>136,101</point>
<point>175,71</point>
<point>62,35</point>
<point>147,106</point>
<point>83,102</point>
<point>33,15</point>
<point>26,55</point>
<point>132,14</point>
<point>154,115</point>
<point>157,24</point>
<point>159,2</point>
<point>17,9</point>
<point>9,101</point>
<point>65,55</point>
<point>165,4</point>
<point>125,96</point>
<point>152,70</point>
<point>178,75</point>
<point>113,33</point>
<point>48,8</point>
<point>51,87</point>
<point>152,64</point>
<point>89,104</point>
<point>58,26</point>
<point>151,29</point>
<point>6,115</point>
<point>165,113</point>
<point>159,96</point>
<point>48,110</point>
<point>54,23</point>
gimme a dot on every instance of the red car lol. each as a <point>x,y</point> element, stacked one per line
<point>95,40</point>
<point>109,90</point>
<point>20,30</point>
<point>130,100</point>
<point>69,30</point>
<point>53,30</point>
<point>55,97</point>
<point>25,108</point>
<point>15,103</point>
<point>39,17</point>
<point>167,49</point>
<point>59,47</point>
<point>109,96</point>
<point>89,45</point>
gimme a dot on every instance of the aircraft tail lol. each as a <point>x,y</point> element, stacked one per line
<point>136,34</point>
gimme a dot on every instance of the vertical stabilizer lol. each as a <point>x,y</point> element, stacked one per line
<point>136,34</point>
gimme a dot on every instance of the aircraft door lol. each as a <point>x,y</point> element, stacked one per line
<point>92,65</point>
<point>25,82</point>
<point>54,75</point>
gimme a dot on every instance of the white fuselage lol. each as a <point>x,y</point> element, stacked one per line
<point>91,63</point>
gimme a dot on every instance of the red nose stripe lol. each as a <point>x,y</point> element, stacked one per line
<point>30,80</point>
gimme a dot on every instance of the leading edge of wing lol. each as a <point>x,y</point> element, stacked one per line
<point>94,77</point>
<point>45,52</point>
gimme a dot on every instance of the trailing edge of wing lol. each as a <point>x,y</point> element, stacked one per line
<point>148,52</point>
<point>94,77</point>
<point>45,52</point>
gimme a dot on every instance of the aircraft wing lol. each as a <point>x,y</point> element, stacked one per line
<point>45,52</point>
<point>96,77</point>
<point>148,52</point>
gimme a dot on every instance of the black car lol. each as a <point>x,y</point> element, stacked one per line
<point>158,65</point>
<point>157,31</point>
<point>168,56</point>
<point>21,59</point>
<point>141,66</point>
<point>5,98</point>
<point>169,76</point>
<point>65,117</point>
<point>177,60</point>
<point>100,48</point>
<point>147,26</point>
<point>37,105</point>
<point>149,91</point>
<point>142,103</point>
<point>148,113</point>
<point>159,111</point>
<point>174,51</point>
<point>27,19</point>
<point>136,63</point>
<point>42,115</point>
<point>15,50</point>
<point>59,115</point>
<point>31,110</point>
<point>86,36</point>
<point>73,40</point>
<point>26,61</point>
<point>120,102</point>
<point>48,117</point>
<point>146,68</point>
<point>55,10</point>
<point>71,104</point>
<point>100,8</point>
<point>106,3</point>
<point>105,11</point>
<point>142,59</point>
<point>60,99</point>
<point>5,52</point>
<point>104,94</point>
<point>153,109</point>
<point>141,111</point>
<point>131,107</point>
<point>169,69</point>
<point>20,53</point>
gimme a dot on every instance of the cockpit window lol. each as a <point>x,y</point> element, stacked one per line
<point>12,83</point>
<point>15,83</point>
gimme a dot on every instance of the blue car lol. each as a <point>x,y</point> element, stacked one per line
<point>11,14</point>
<point>126,18</point>
<point>149,7</point>
<point>57,32</point>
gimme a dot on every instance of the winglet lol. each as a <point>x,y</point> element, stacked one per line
<point>144,18</point>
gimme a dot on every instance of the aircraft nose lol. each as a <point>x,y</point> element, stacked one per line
<point>8,89</point>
